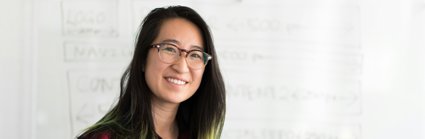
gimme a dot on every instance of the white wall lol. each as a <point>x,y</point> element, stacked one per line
<point>15,85</point>
<point>36,84</point>
<point>393,89</point>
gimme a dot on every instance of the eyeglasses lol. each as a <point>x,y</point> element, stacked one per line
<point>170,53</point>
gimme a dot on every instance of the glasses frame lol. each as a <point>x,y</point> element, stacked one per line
<point>158,45</point>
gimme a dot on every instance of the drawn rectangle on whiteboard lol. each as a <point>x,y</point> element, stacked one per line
<point>303,78</point>
<point>283,101</point>
<point>91,95</point>
<point>88,51</point>
<point>90,18</point>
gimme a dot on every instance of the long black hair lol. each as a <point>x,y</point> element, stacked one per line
<point>202,115</point>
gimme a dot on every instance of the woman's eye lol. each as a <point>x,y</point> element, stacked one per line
<point>169,49</point>
<point>196,56</point>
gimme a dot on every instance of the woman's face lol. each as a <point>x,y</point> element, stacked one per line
<point>176,82</point>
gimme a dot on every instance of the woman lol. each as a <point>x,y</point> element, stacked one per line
<point>173,87</point>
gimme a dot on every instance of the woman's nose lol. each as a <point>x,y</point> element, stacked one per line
<point>181,65</point>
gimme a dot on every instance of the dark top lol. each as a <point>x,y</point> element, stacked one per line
<point>107,135</point>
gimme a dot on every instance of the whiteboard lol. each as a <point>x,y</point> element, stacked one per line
<point>292,69</point>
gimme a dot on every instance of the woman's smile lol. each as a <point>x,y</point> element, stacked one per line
<point>176,81</point>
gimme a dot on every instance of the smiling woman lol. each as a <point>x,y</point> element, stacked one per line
<point>169,89</point>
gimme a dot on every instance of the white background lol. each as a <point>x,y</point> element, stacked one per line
<point>338,69</point>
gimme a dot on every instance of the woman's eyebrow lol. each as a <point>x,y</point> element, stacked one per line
<point>197,47</point>
<point>171,41</point>
<point>178,43</point>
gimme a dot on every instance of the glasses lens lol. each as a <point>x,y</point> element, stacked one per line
<point>195,59</point>
<point>168,53</point>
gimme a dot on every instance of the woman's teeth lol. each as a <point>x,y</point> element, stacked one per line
<point>176,81</point>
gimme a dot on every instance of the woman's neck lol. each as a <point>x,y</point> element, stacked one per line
<point>164,114</point>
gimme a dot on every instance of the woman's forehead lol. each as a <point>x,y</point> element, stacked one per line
<point>180,32</point>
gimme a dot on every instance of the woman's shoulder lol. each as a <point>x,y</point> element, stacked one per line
<point>97,135</point>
